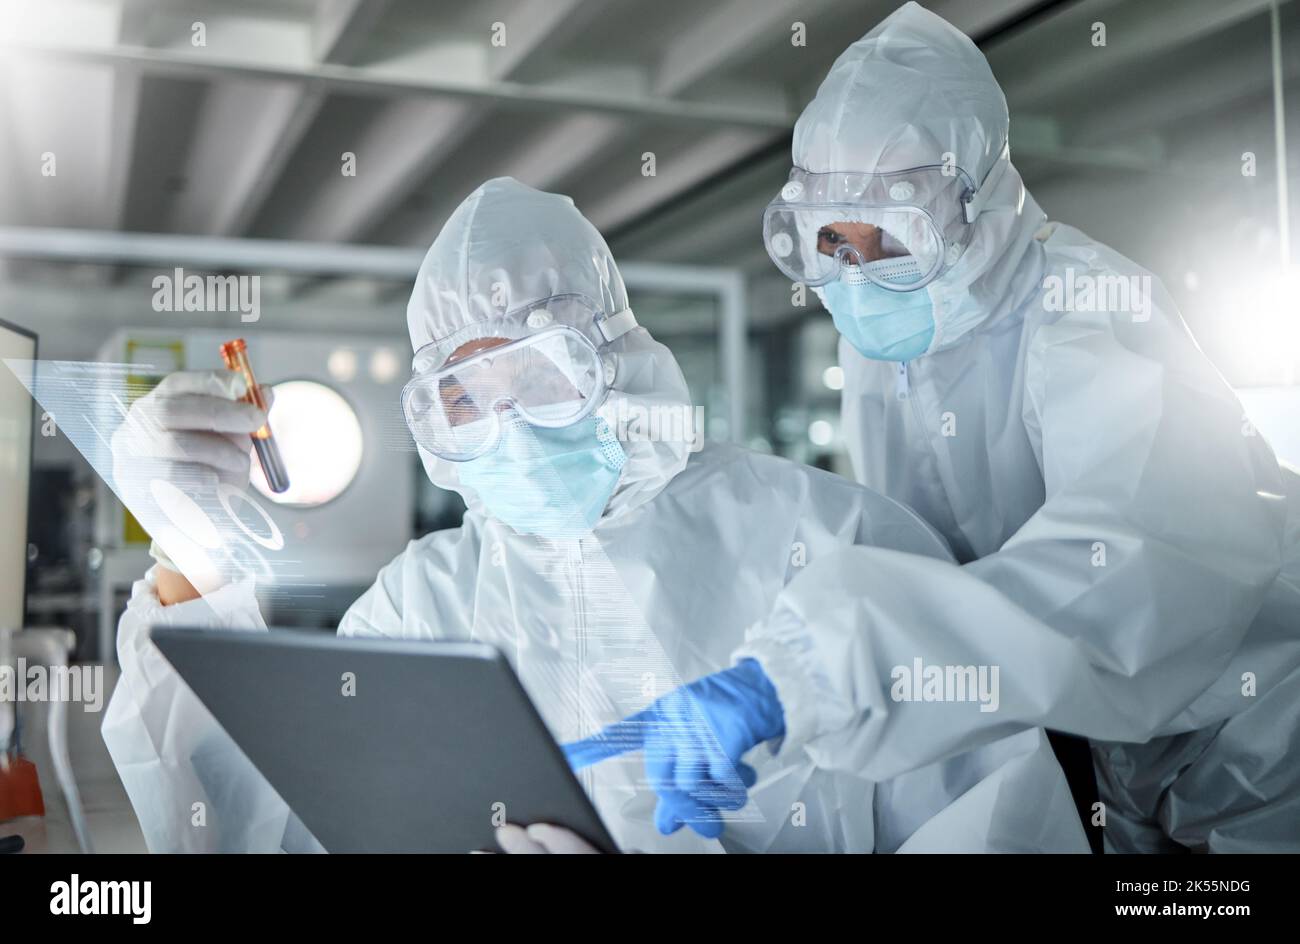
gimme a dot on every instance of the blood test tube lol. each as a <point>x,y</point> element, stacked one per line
<point>235,354</point>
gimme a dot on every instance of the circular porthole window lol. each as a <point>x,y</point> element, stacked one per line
<point>320,441</point>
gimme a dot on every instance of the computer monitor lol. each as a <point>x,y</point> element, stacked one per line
<point>16,422</point>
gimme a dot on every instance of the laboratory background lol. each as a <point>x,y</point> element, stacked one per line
<point>320,145</point>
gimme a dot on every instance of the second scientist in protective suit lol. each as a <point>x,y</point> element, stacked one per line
<point>1129,547</point>
<point>607,560</point>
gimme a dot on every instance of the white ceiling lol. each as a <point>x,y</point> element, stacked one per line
<point>243,137</point>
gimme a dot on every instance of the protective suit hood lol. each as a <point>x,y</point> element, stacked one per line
<point>916,92</point>
<point>507,246</point>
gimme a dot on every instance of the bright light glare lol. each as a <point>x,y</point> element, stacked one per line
<point>384,365</point>
<point>320,440</point>
<point>833,378</point>
<point>342,364</point>
<point>820,432</point>
<point>1273,411</point>
<point>1267,327</point>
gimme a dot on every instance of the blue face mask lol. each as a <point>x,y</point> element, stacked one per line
<point>550,482</point>
<point>880,324</point>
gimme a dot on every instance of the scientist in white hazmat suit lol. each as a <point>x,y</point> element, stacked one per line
<point>608,564</point>
<point>1127,544</point>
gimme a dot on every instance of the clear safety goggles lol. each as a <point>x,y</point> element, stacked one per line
<point>903,229</point>
<point>551,376</point>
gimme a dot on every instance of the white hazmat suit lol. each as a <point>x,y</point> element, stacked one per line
<point>691,549</point>
<point>1127,543</point>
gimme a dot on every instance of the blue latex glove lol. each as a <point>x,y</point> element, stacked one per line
<point>693,739</point>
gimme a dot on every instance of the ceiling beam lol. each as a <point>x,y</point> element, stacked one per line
<point>207,252</point>
<point>90,135</point>
<point>245,135</point>
<point>1132,36</point>
<point>341,26</point>
<point>1219,84</point>
<point>719,36</point>
<point>675,172</point>
<point>392,82</point>
<point>701,235</point>
<point>529,27</point>
<point>396,153</point>
<point>125,116</point>
<point>73,330</point>
<point>978,20</point>
<point>272,123</point>
<point>135,22</point>
<point>287,113</point>
<point>133,27</point>
<point>540,161</point>
<point>547,158</point>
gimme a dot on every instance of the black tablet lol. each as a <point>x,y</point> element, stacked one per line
<point>385,745</point>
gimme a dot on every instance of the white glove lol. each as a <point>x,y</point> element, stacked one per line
<point>190,431</point>
<point>190,423</point>
<point>542,839</point>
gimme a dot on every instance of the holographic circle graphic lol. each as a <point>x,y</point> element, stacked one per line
<point>274,541</point>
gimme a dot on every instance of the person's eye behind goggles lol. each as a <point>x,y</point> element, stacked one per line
<point>820,223</point>
<point>553,377</point>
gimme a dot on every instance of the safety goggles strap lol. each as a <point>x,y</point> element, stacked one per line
<point>973,205</point>
<point>616,325</point>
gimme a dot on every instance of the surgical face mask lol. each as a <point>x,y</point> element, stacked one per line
<point>881,324</point>
<point>550,482</point>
